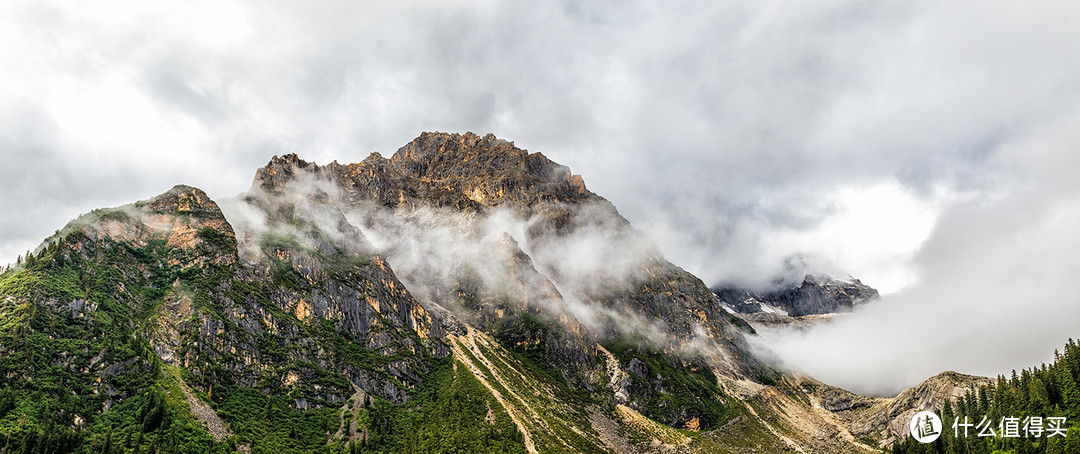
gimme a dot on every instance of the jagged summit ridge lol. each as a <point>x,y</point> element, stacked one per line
<point>185,199</point>
<point>440,156</point>
<point>460,170</point>
<point>815,295</point>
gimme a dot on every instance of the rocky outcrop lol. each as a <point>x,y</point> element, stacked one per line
<point>823,295</point>
<point>464,171</point>
<point>886,419</point>
<point>814,296</point>
<point>183,217</point>
<point>931,394</point>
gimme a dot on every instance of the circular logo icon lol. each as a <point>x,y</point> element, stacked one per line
<point>925,427</point>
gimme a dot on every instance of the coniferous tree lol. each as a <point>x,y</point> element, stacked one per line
<point>1038,396</point>
<point>984,401</point>
<point>1001,401</point>
<point>1072,440</point>
<point>1055,446</point>
<point>107,448</point>
<point>1073,359</point>
<point>947,437</point>
<point>962,403</point>
<point>1070,394</point>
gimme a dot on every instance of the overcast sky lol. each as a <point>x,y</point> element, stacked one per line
<point>926,147</point>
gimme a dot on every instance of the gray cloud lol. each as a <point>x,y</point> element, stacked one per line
<point>997,289</point>
<point>737,135</point>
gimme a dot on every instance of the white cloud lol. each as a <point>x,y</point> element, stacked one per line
<point>997,288</point>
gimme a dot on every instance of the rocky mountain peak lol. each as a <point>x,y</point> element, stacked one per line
<point>280,170</point>
<point>184,219</point>
<point>459,170</point>
<point>183,199</point>
<point>825,294</point>
<point>431,145</point>
<point>437,156</point>
<point>816,295</point>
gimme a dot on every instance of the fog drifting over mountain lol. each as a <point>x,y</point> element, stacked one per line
<point>924,147</point>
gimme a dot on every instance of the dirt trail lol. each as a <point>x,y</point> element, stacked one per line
<point>837,424</point>
<point>202,411</point>
<point>456,345</point>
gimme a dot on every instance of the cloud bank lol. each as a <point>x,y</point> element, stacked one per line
<point>998,288</point>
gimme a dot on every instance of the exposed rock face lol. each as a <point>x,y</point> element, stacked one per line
<point>476,176</point>
<point>740,300</point>
<point>928,395</point>
<point>886,419</point>
<point>465,171</point>
<point>822,295</point>
<point>815,295</point>
<point>183,216</point>
<point>554,270</point>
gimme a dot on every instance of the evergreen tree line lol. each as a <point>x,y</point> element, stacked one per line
<point>1039,392</point>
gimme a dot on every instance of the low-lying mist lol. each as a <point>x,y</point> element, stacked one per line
<point>997,288</point>
<point>432,248</point>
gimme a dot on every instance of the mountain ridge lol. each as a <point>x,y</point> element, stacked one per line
<point>492,292</point>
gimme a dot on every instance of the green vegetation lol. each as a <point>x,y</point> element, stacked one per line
<point>285,274</point>
<point>739,323</point>
<point>450,412</point>
<point>524,334</point>
<point>1046,391</point>
<point>667,391</point>
<point>271,424</point>
<point>78,373</point>
<point>271,240</point>
<point>216,239</point>
<point>339,264</point>
<point>85,323</point>
<point>70,334</point>
<point>547,408</point>
<point>671,393</point>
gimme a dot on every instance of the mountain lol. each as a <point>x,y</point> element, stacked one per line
<point>462,295</point>
<point>816,295</point>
